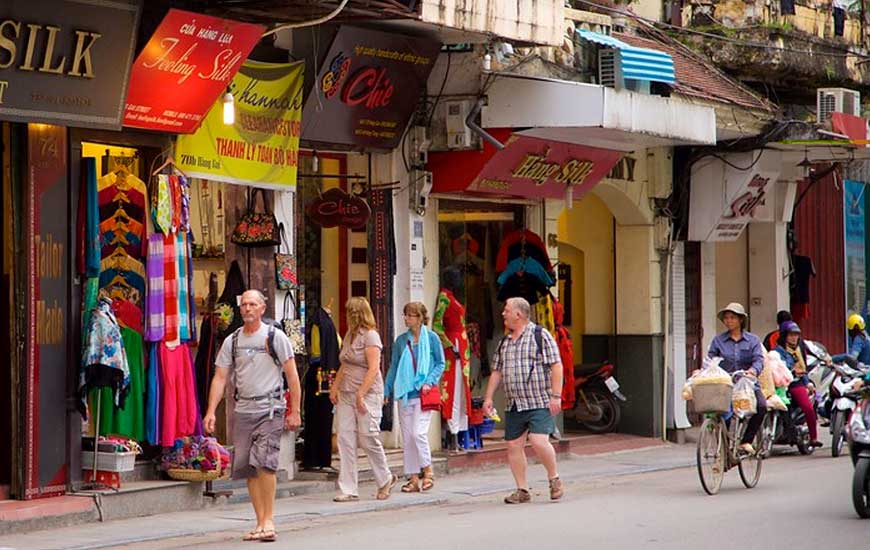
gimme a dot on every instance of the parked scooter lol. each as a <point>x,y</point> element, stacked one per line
<point>843,402</point>
<point>858,436</point>
<point>598,396</point>
<point>821,374</point>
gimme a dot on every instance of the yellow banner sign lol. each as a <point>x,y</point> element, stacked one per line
<point>262,147</point>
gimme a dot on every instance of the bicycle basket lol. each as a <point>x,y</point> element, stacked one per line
<point>711,398</point>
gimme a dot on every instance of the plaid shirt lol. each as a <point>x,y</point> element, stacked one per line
<point>526,388</point>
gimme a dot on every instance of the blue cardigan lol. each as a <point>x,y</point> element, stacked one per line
<point>436,353</point>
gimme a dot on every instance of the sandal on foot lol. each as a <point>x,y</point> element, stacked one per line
<point>411,487</point>
<point>428,483</point>
<point>384,492</point>
<point>346,498</point>
<point>252,536</point>
<point>268,535</point>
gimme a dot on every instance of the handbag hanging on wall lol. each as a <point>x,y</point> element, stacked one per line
<point>293,327</point>
<point>257,229</point>
<point>285,264</point>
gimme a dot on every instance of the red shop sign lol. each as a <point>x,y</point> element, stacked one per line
<point>183,68</point>
<point>538,168</point>
<point>336,208</point>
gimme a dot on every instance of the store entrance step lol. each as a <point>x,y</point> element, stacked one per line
<point>145,498</point>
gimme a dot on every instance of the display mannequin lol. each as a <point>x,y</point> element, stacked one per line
<point>449,324</point>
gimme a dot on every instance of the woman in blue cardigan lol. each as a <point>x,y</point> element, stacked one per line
<point>417,365</point>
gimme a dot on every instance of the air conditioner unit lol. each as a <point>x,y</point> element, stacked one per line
<point>608,68</point>
<point>836,100</point>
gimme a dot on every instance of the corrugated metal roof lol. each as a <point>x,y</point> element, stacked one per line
<point>636,63</point>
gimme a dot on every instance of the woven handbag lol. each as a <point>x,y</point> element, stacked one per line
<point>257,229</point>
<point>285,265</point>
<point>293,327</point>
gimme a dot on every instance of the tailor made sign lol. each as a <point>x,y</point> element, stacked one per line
<point>262,147</point>
<point>537,168</point>
<point>183,68</point>
<point>66,62</point>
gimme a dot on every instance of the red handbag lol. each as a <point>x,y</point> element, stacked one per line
<point>429,400</point>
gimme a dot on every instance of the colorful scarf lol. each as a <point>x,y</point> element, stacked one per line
<point>183,290</point>
<point>154,304</point>
<point>170,289</point>
<point>407,379</point>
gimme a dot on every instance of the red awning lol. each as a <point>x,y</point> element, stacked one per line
<point>527,167</point>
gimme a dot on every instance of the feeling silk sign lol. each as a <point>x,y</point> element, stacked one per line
<point>262,147</point>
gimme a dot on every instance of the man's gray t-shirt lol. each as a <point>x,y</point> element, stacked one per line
<point>255,372</point>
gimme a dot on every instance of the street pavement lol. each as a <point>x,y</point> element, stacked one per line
<point>638,499</point>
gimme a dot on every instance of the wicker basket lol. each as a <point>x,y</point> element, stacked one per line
<point>182,474</point>
<point>711,398</point>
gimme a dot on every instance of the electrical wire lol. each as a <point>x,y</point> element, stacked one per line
<point>440,92</point>
<point>318,21</point>
<point>747,43</point>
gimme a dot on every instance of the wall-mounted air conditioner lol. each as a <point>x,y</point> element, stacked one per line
<point>836,100</point>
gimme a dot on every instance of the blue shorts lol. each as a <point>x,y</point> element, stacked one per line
<point>534,421</point>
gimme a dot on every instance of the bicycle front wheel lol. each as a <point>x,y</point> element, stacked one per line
<point>711,455</point>
<point>750,465</point>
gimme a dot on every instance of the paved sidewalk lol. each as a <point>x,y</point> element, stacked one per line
<point>449,489</point>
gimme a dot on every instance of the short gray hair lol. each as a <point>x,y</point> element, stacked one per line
<point>521,305</point>
<point>259,294</point>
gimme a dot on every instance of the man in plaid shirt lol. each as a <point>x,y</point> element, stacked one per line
<point>532,376</point>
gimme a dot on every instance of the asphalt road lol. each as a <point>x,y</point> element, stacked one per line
<point>800,502</point>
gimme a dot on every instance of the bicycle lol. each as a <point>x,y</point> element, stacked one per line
<point>718,451</point>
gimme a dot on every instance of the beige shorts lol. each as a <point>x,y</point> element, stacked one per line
<point>257,441</point>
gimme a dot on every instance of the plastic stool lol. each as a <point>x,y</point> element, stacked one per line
<point>470,439</point>
<point>109,479</point>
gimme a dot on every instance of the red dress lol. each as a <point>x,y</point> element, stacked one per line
<point>566,354</point>
<point>449,324</point>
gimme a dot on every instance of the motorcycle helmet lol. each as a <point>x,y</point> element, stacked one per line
<point>789,327</point>
<point>855,321</point>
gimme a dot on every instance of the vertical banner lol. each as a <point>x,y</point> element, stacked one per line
<point>262,147</point>
<point>47,229</point>
<point>856,292</point>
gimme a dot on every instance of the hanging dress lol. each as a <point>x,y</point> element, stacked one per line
<point>449,324</point>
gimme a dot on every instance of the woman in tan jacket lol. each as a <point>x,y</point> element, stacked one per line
<point>358,394</point>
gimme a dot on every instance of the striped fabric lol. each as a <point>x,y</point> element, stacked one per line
<point>183,290</point>
<point>170,289</point>
<point>154,305</point>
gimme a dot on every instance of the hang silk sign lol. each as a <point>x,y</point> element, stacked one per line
<point>262,147</point>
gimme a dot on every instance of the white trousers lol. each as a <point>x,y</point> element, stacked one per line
<point>363,430</point>
<point>415,436</point>
<point>458,421</point>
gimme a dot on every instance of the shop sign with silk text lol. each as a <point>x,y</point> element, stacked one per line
<point>66,62</point>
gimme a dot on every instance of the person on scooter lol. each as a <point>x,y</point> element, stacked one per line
<point>859,343</point>
<point>741,350</point>
<point>793,352</point>
<point>772,339</point>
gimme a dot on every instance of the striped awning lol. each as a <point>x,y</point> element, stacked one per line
<point>636,63</point>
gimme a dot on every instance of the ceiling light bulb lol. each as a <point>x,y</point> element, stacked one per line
<point>229,109</point>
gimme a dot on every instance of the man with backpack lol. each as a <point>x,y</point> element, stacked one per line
<point>527,361</point>
<point>253,358</point>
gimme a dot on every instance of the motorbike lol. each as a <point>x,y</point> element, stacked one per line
<point>788,427</point>
<point>821,374</point>
<point>843,401</point>
<point>598,397</point>
<point>858,437</point>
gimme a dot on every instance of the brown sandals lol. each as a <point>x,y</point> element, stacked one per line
<point>384,492</point>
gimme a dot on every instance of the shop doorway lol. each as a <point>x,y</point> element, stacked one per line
<point>469,235</point>
<point>7,313</point>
